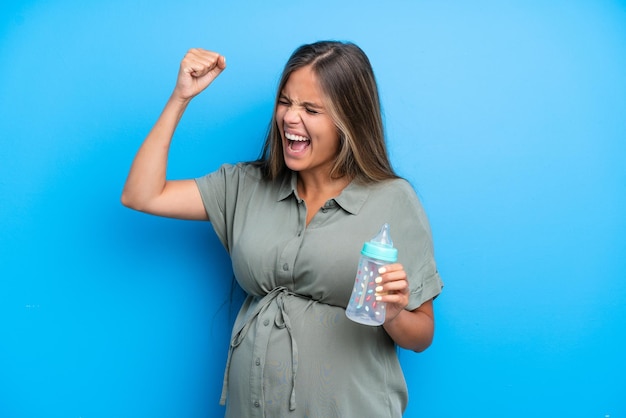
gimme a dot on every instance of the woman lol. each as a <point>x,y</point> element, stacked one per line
<point>293,223</point>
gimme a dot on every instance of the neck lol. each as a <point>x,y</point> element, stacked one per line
<point>320,186</point>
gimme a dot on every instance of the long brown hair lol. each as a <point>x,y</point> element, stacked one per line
<point>348,83</point>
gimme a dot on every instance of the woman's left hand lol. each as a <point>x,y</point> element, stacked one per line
<point>392,287</point>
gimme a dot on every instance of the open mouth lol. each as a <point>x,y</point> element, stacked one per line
<point>297,143</point>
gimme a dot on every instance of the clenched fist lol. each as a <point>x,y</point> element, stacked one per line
<point>198,69</point>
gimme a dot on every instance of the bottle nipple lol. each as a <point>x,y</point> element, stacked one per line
<point>383,238</point>
<point>381,246</point>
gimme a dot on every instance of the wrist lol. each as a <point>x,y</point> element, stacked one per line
<point>179,100</point>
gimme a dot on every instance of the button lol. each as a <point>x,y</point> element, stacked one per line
<point>286,267</point>
<point>258,362</point>
<point>324,210</point>
<point>266,322</point>
<point>257,404</point>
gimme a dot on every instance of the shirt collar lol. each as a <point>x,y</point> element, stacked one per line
<point>351,199</point>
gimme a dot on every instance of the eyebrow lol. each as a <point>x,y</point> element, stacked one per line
<point>305,104</point>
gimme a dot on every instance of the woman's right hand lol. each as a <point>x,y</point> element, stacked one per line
<point>147,188</point>
<point>197,70</point>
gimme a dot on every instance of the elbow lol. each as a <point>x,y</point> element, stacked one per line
<point>422,347</point>
<point>127,200</point>
<point>424,341</point>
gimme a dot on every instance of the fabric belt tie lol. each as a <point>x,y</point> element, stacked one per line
<point>281,320</point>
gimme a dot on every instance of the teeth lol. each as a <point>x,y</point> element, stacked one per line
<point>293,137</point>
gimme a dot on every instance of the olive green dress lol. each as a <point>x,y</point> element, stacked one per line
<point>293,352</point>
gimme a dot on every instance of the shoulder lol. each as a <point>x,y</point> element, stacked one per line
<point>241,169</point>
<point>397,188</point>
<point>233,173</point>
<point>399,193</point>
<point>239,181</point>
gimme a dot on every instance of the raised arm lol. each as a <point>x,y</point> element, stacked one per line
<point>147,188</point>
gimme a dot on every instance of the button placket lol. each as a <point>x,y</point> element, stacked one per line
<point>263,331</point>
<point>286,261</point>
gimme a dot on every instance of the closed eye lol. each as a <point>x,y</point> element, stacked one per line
<point>310,108</point>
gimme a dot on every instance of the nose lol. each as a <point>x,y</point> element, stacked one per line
<point>292,115</point>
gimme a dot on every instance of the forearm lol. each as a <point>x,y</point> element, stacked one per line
<point>147,177</point>
<point>412,330</point>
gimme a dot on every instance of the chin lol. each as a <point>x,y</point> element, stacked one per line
<point>292,166</point>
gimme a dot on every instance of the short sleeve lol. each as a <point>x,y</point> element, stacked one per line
<point>219,191</point>
<point>413,238</point>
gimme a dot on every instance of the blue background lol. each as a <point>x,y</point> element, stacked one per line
<point>508,117</point>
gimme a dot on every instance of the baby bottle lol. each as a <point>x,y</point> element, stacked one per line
<point>363,306</point>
